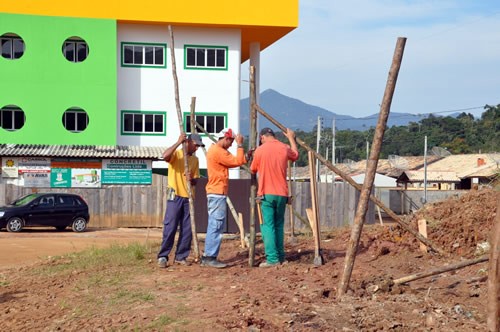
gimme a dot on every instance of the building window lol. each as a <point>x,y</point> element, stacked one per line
<point>205,57</point>
<point>143,55</point>
<point>75,120</point>
<point>11,46</point>
<point>211,122</point>
<point>143,123</point>
<point>75,49</point>
<point>12,118</point>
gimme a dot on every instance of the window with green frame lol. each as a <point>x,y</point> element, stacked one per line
<point>211,122</point>
<point>143,55</point>
<point>143,123</point>
<point>205,57</point>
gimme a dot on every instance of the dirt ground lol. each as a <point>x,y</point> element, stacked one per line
<point>296,296</point>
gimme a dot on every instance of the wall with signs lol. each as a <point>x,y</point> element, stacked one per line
<point>74,172</point>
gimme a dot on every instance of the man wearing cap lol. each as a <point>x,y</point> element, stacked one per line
<point>177,212</point>
<point>219,160</point>
<point>270,161</point>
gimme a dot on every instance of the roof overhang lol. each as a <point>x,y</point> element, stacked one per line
<point>260,21</point>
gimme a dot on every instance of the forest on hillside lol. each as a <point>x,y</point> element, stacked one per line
<point>458,135</point>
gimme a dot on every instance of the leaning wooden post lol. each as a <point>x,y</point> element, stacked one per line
<point>405,225</point>
<point>371,167</point>
<point>184,148</point>
<point>253,178</point>
<point>290,202</point>
<point>493,319</point>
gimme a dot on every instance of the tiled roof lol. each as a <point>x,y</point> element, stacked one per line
<point>82,151</point>
<point>384,167</point>
<point>464,164</point>
<point>432,176</point>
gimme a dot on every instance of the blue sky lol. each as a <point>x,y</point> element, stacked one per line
<point>339,56</point>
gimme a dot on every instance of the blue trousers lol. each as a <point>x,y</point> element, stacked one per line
<point>217,211</point>
<point>176,216</point>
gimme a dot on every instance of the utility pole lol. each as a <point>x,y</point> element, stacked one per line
<point>367,150</point>
<point>333,142</point>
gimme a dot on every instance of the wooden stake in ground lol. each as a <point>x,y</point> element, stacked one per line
<point>422,229</point>
<point>184,148</point>
<point>253,178</point>
<point>371,167</point>
<point>290,202</point>
<point>494,277</point>
<point>312,213</point>
<point>353,183</point>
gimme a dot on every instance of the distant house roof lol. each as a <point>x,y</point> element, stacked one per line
<point>468,165</point>
<point>384,167</point>
<point>432,176</point>
<point>82,151</point>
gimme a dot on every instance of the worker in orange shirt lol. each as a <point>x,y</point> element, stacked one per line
<point>219,160</point>
<point>270,162</point>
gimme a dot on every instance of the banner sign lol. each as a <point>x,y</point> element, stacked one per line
<point>127,171</point>
<point>37,179</point>
<point>10,167</point>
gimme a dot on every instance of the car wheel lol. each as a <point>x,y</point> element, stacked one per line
<point>79,225</point>
<point>14,224</point>
<point>60,228</point>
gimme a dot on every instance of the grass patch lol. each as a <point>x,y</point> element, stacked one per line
<point>126,256</point>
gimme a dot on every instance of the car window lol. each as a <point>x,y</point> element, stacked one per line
<point>65,201</point>
<point>24,200</point>
<point>47,201</point>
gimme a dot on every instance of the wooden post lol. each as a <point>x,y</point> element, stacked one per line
<point>493,319</point>
<point>371,168</point>
<point>290,201</point>
<point>242,230</point>
<point>422,229</point>
<point>440,270</point>
<point>184,148</point>
<point>353,183</point>
<point>253,178</point>
<point>313,215</point>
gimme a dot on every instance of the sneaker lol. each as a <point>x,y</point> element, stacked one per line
<point>182,262</point>
<point>266,264</point>
<point>212,262</point>
<point>162,262</point>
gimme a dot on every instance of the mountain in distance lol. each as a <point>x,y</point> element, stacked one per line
<point>297,115</point>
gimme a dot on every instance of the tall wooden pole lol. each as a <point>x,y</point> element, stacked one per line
<point>494,277</point>
<point>371,167</point>
<point>184,147</point>
<point>253,177</point>
<point>290,202</point>
<point>353,183</point>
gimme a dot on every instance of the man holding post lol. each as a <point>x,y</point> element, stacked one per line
<point>270,161</point>
<point>177,211</point>
<point>219,160</point>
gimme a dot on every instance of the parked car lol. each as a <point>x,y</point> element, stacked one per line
<point>49,209</point>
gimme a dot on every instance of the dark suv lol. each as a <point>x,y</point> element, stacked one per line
<point>50,209</point>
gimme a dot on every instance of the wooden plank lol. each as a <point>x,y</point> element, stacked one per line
<point>422,229</point>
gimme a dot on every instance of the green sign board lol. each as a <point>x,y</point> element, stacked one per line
<point>126,176</point>
<point>60,178</point>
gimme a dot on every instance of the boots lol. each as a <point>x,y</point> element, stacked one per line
<point>212,262</point>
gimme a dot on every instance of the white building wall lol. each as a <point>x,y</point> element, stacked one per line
<point>152,89</point>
